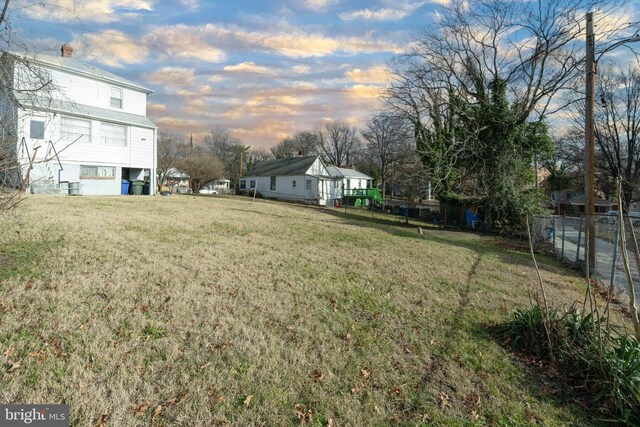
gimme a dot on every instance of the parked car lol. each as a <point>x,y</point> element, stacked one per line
<point>207,190</point>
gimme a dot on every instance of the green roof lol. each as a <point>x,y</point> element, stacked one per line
<point>282,167</point>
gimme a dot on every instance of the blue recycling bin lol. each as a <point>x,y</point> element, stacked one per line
<point>124,187</point>
<point>145,189</point>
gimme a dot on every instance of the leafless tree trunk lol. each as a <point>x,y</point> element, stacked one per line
<point>388,141</point>
<point>300,144</point>
<point>229,149</point>
<point>337,143</point>
<point>24,85</point>
<point>170,148</point>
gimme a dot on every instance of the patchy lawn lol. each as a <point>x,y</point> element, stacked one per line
<point>189,311</point>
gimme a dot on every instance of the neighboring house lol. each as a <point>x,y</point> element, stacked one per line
<point>572,203</point>
<point>302,179</point>
<point>93,126</point>
<point>351,179</point>
<point>222,186</point>
<point>177,181</point>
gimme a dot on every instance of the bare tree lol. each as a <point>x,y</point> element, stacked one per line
<point>617,132</point>
<point>337,143</point>
<point>617,125</point>
<point>388,141</point>
<point>171,146</point>
<point>301,143</point>
<point>477,86</point>
<point>24,85</point>
<point>255,156</point>
<point>412,181</point>
<point>201,166</point>
<point>229,149</point>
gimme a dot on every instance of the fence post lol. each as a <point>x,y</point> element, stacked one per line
<point>553,228</point>
<point>579,238</point>
<point>615,254</point>
<point>564,222</point>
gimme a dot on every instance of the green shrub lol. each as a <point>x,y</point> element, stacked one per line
<point>607,364</point>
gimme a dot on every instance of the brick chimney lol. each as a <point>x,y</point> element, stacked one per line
<point>67,50</point>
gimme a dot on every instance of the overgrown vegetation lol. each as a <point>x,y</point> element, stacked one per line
<point>609,368</point>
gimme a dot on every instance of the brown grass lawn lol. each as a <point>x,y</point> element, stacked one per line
<point>198,311</point>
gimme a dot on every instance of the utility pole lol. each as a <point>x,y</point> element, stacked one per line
<point>589,136</point>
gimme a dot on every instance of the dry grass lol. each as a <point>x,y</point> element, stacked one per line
<point>172,311</point>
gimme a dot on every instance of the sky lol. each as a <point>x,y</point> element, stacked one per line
<point>262,69</point>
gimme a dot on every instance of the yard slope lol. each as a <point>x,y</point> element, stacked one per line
<point>218,310</point>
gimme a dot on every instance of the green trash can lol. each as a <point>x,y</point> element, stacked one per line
<point>136,187</point>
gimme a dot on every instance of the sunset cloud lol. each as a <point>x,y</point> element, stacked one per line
<point>379,75</point>
<point>115,49</point>
<point>196,42</point>
<point>248,67</point>
<point>171,76</point>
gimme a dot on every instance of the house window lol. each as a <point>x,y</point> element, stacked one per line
<point>293,184</point>
<point>273,183</point>
<point>252,184</point>
<point>243,184</point>
<point>72,130</point>
<point>111,134</point>
<point>97,172</point>
<point>336,184</point>
<point>308,185</point>
<point>37,129</point>
<point>116,98</point>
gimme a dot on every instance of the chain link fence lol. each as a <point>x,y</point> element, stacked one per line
<point>565,236</point>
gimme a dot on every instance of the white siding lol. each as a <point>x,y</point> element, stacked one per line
<point>86,91</point>
<point>322,190</point>
<point>284,188</point>
<point>138,153</point>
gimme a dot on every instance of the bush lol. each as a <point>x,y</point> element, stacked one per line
<point>608,366</point>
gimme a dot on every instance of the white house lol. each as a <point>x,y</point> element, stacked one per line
<point>302,179</point>
<point>92,125</point>
<point>351,179</point>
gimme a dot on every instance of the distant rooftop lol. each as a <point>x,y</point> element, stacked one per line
<point>346,173</point>
<point>282,167</point>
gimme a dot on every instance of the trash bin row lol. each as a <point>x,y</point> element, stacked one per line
<point>135,187</point>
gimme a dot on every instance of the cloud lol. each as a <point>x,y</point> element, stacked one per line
<point>196,42</point>
<point>248,67</point>
<point>154,109</point>
<point>171,76</point>
<point>317,5</point>
<point>395,13</point>
<point>185,42</point>
<point>378,75</point>
<point>364,91</point>
<point>103,11</point>
<point>178,124</point>
<point>190,4</point>
<point>114,49</point>
<point>301,69</point>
